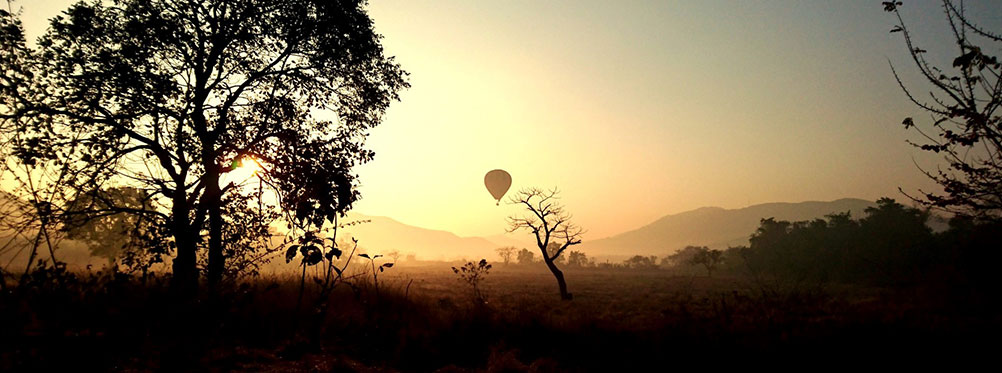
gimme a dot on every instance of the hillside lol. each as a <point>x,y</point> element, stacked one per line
<point>382,235</point>
<point>713,226</point>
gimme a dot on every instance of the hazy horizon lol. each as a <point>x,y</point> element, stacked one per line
<point>636,110</point>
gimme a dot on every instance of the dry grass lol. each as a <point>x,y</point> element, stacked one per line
<point>426,319</point>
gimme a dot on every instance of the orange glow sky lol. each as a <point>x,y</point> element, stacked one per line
<point>638,109</point>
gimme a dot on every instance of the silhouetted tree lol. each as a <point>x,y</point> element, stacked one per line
<point>641,262</point>
<point>577,259</point>
<point>506,253</point>
<point>526,257</point>
<point>553,249</point>
<point>134,239</point>
<point>27,225</point>
<point>708,259</point>
<point>682,257</point>
<point>394,255</point>
<point>897,240</point>
<point>891,244</point>
<point>170,96</point>
<point>971,252</point>
<point>33,192</point>
<point>966,125</point>
<point>547,221</point>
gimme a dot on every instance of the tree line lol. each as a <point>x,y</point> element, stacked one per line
<point>891,244</point>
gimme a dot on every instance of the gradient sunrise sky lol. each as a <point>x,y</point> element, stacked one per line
<point>637,109</point>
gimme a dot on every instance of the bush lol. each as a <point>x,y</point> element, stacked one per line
<point>474,274</point>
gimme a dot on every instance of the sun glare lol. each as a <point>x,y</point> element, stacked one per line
<point>244,170</point>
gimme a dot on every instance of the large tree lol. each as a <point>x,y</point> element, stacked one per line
<point>964,124</point>
<point>169,96</point>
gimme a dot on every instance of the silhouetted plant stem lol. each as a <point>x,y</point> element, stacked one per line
<point>302,287</point>
<point>375,278</point>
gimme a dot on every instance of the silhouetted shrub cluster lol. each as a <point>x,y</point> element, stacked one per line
<point>641,262</point>
<point>892,244</point>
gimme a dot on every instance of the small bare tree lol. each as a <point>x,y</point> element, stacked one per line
<point>506,253</point>
<point>548,223</point>
<point>395,255</point>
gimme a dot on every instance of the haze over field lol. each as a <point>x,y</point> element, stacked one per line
<point>715,227</point>
<point>637,109</point>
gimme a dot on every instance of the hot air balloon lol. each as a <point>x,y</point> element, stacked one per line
<point>497,182</point>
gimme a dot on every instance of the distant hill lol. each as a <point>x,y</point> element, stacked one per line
<point>713,226</point>
<point>520,239</point>
<point>382,235</point>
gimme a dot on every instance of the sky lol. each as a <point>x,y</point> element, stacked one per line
<point>639,109</point>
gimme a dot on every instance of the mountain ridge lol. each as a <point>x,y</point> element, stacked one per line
<point>713,226</point>
<point>384,234</point>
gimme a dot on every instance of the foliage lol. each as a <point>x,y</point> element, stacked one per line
<point>966,126</point>
<point>247,236</point>
<point>474,274</point>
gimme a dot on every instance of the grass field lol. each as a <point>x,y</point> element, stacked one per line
<point>426,319</point>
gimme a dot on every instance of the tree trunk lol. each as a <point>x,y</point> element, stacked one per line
<point>564,295</point>
<point>185,280</point>
<point>212,199</point>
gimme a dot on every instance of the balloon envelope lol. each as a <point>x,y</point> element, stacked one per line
<point>497,182</point>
